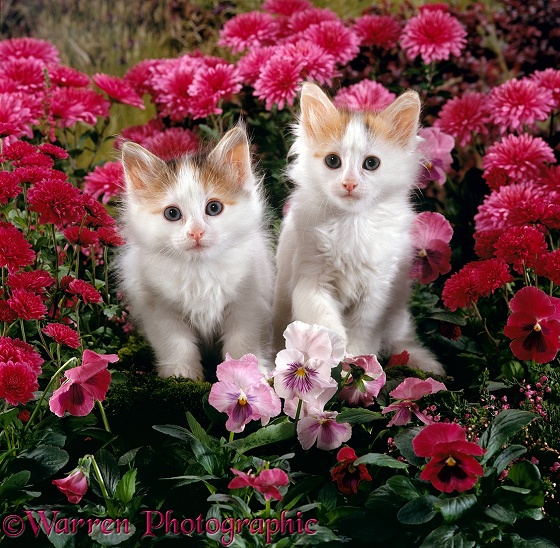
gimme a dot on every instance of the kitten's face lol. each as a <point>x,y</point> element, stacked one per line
<point>353,160</point>
<point>196,207</point>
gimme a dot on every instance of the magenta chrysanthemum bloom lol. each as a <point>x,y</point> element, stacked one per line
<point>322,428</point>
<point>172,143</point>
<point>302,20</point>
<point>15,250</point>
<point>366,95</point>
<point>521,247</point>
<point>80,236</point>
<point>17,382</point>
<point>71,105</point>
<point>286,7</point>
<point>96,214</point>
<point>434,35</point>
<point>516,103</point>
<point>464,116</point>
<point>243,393</point>
<point>249,30</point>
<point>378,30</point>
<point>252,63</point>
<point>25,48</point>
<point>83,385</point>
<point>140,76</point>
<point>53,150</point>
<point>105,182</point>
<point>435,148</point>
<point>520,156</point>
<point>140,133</point>
<point>27,74</point>
<point>36,281</point>
<point>221,80</point>
<point>27,305</point>
<point>267,482</point>
<point>549,266</point>
<point>21,111</point>
<point>118,89</point>
<point>408,392</point>
<point>534,326</point>
<point>315,63</point>
<point>62,334</point>
<point>9,186</point>
<point>278,82</point>
<point>68,77</point>
<point>85,290</point>
<point>19,351</point>
<point>549,79</point>
<point>431,234</point>
<point>335,39</point>
<point>57,202</point>
<point>452,466</point>
<point>366,378</point>
<point>110,236</point>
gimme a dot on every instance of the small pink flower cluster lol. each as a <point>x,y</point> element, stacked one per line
<point>534,396</point>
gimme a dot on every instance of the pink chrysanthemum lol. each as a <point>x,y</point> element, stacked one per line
<point>36,281</point>
<point>521,247</point>
<point>25,48</point>
<point>315,63</point>
<point>26,73</point>
<point>67,76</point>
<point>249,30</point>
<point>302,20</point>
<point>172,143</point>
<point>464,116</point>
<point>57,202</point>
<point>434,35</point>
<point>17,150</point>
<point>222,80</point>
<point>378,30</point>
<point>19,110</point>
<point>335,39</point>
<point>140,75</point>
<point>520,156</point>
<point>484,242</point>
<point>85,290</point>
<point>140,133</point>
<point>366,95</point>
<point>516,103</point>
<point>9,186</point>
<point>279,82</point>
<point>15,250</point>
<point>62,334</point>
<point>27,305</point>
<point>286,7</point>
<point>118,89</point>
<point>20,351</point>
<point>549,79</point>
<point>251,64</point>
<point>549,266</point>
<point>53,150</point>
<point>17,382</point>
<point>105,181</point>
<point>71,105</point>
<point>35,174</point>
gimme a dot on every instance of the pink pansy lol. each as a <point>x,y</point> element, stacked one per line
<point>83,385</point>
<point>322,428</point>
<point>410,390</point>
<point>364,381</point>
<point>74,485</point>
<point>267,482</point>
<point>243,393</point>
<point>431,234</point>
<point>435,147</point>
<point>303,369</point>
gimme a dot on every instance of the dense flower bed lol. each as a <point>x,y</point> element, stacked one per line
<point>329,448</point>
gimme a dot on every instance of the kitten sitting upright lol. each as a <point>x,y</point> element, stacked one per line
<point>345,253</point>
<point>196,266</point>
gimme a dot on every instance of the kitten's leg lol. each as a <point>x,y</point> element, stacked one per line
<point>282,305</point>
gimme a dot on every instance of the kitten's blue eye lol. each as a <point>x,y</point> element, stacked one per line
<point>333,161</point>
<point>172,213</point>
<point>371,163</point>
<point>214,208</point>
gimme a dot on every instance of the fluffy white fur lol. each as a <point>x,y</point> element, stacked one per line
<point>344,253</point>
<point>184,295</point>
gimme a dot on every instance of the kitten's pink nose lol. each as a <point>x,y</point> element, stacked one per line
<point>349,185</point>
<point>196,234</point>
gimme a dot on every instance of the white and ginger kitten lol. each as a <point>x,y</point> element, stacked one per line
<point>197,267</point>
<point>345,252</point>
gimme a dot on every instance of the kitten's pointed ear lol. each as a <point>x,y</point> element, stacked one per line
<point>142,169</point>
<point>233,149</point>
<point>316,109</point>
<point>403,116</point>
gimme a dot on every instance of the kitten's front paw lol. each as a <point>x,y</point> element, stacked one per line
<point>193,372</point>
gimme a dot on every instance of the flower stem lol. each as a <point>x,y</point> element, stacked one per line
<point>102,485</point>
<point>103,416</point>
<point>231,434</point>
<point>298,412</point>
<point>479,316</point>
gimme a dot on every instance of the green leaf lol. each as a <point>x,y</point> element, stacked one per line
<point>403,486</point>
<point>379,459</point>
<point>126,487</point>
<point>47,461</point>
<point>418,511</point>
<point>508,455</point>
<point>8,416</point>
<point>109,469</point>
<point>269,434</point>
<point>174,431</point>
<point>320,536</point>
<point>187,480</point>
<point>358,416</point>
<point>198,432</point>
<point>501,514</point>
<point>327,496</point>
<point>447,536</point>
<point>502,428</point>
<point>454,508</point>
<point>525,474</point>
<point>449,317</point>
<point>15,482</point>
<point>205,457</point>
<point>403,441</point>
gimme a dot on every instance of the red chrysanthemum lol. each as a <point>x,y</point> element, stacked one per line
<point>80,236</point>
<point>57,202</point>
<point>67,76</point>
<point>25,48</point>
<point>520,156</point>
<point>86,291</point>
<point>484,241</point>
<point>27,305</point>
<point>9,186</point>
<point>27,74</point>
<point>549,266</point>
<point>105,182</point>
<point>172,143</point>
<point>96,214</point>
<point>366,95</point>
<point>286,7</point>
<point>36,281</point>
<point>110,236</point>
<point>496,177</point>
<point>452,466</point>
<point>53,150</point>
<point>6,313</point>
<point>34,174</point>
<point>549,79</point>
<point>15,250</point>
<point>538,211</point>
<point>62,334</point>
<point>302,20</point>
<point>346,475</point>
<point>17,350</point>
<point>20,110</point>
<point>17,150</point>
<point>475,280</point>
<point>434,35</point>
<point>335,39</point>
<point>399,359</point>
<point>520,246</point>
<point>118,89</point>
<point>534,326</point>
<point>279,82</point>
<point>464,116</point>
<point>378,30</point>
<point>249,30</point>
<point>71,105</point>
<point>516,103</point>
<point>17,382</point>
